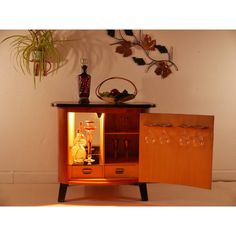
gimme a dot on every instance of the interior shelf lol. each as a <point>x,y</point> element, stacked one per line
<point>133,159</point>
<point>123,133</point>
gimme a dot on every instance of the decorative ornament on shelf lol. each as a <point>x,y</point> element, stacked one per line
<point>126,40</point>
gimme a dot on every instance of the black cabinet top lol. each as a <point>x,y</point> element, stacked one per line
<point>102,104</point>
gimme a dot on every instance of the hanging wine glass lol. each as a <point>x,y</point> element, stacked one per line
<point>150,138</point>
<point>164,138</point>
<point>184,138</point>
<point>89,128</point>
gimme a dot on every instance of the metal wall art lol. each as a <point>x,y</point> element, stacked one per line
<point>126,40</point>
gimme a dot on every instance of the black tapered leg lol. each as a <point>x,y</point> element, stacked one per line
<point>143,191</point>
<point>62,192</point>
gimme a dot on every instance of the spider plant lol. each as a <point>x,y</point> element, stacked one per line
<point>36,52</point>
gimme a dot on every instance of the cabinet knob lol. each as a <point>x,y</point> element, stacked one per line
<point>120,171</point>
<point>87,171</point>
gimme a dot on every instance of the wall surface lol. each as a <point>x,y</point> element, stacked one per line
<point>204,84</point>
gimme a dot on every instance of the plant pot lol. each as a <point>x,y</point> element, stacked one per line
<point>41,66</point>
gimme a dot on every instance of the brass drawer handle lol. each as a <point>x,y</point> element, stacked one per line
<point>87,171</point>
<point>120,171</point>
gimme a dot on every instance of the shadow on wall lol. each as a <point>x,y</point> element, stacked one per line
<point>90,44</point>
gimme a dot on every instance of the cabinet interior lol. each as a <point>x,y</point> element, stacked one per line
<point>115,139</point>
<point>74,119</point>
<point>121,132</point>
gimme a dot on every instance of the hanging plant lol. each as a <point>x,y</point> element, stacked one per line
<point>36,52</point>
<point>126,40</point>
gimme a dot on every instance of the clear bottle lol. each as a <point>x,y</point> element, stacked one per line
<point>78,151</point>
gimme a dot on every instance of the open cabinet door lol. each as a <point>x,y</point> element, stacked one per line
<point>176,149</point>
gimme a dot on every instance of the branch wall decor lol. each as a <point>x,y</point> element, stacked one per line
<point>126,40</point>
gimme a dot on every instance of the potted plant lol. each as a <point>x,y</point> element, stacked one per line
<point>36,52</point>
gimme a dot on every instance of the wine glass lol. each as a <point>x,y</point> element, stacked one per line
<point>89,128</point>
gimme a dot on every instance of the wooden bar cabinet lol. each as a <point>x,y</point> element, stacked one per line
<point>136,147</point>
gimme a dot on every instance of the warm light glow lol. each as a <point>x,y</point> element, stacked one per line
<point>73,121</point>
<point>71,128</point>
<point>71,134</point>
<point>102,138</point>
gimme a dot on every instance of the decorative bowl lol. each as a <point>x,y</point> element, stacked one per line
<point>114,96</point>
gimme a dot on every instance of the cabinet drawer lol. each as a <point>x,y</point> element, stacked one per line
<point>85,171</point>
<point>125,171</point>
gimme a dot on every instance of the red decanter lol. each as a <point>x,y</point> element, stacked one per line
<point>84,81</point>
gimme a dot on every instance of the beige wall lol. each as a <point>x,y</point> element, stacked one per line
<point>204,84</point>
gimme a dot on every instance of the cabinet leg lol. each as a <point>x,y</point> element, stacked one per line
<point>62,192</point>
<point>143,191</point>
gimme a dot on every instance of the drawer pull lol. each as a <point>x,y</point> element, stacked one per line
<point>120,171</point>
<point>87,171</point>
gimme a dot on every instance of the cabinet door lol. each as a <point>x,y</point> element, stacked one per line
<point>176,149</point>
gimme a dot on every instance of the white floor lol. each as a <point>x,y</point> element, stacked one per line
<point>106,210</point>
<point>221,194</point>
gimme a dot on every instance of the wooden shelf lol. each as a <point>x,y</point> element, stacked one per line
<point>123,133</point>
<point>75,104</point>
<point>133,159</point>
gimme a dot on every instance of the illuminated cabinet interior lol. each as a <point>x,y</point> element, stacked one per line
<point>131,145</point>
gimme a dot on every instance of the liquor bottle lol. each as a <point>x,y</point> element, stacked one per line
<point>84,81</point>
<point>78,151</point>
